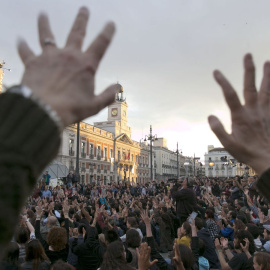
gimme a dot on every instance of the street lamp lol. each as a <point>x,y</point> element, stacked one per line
<point>177,154</point>
<point>77,173</point>
<point>151,138</point>
<point>211,164</point>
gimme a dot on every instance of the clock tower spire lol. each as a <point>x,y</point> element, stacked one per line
<point>117,115</point>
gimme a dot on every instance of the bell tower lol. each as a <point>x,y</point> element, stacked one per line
<point>117,116</point>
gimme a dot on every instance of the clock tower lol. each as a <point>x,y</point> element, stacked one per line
<point>117,116</point>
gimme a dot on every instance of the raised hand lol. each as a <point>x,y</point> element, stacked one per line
<point>64,78</point>
<point>249,141</point>
<point>144,257</point>
<point>245,247</point>
<point>145,217</point>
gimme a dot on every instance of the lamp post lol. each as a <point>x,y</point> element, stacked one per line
<point>151,138</point>
<point>211,165</point>
<point>77,173</point>
<point>177,155</point>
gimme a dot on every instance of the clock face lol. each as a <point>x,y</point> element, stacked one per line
<point>114,112</point>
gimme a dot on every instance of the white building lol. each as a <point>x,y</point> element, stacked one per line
<point>219,163</point>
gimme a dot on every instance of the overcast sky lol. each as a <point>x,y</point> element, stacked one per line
<point>163,54</point>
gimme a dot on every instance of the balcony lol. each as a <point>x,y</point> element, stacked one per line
<point>71,153</point>
<point>91,170</point>
<point>91,156</point>
<point>83,155</point>
<point>71,168</point>
<point>105,159</point>
<point>105,171</point>
<point>83,169</point>
<point>99,170</point>
<point>98,157</point>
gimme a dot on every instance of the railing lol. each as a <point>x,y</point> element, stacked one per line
<point>83,155</point>
<point>98,157</point>
<point>105,171</point>
<point>83,169</point>
<point>91,156</point>
<point>71,168</point>
<point>99,170</point>
<point>91,170</point>
<point>71,153</point>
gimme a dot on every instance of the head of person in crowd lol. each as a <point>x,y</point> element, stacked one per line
<point>186,256</point>
<point>261,261</point>
<point>188,182</point>
<point>10,258</point>
<point>57,238</point>
<point>231,215</point>
<point>60,265</point>
<point>35,253</point>
<point>110,236</point>
<point>239,225</point>
<point>132,222</point>
<point>22,235</point>
<point>266,232</point>
<point>239,238</point>
<point>115,257</point>
<point>209,214</point>
<point>133,239</point>
<point>184,234</point>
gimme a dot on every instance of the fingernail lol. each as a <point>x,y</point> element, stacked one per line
<point>84,10</point>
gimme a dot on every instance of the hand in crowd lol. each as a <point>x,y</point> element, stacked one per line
<point>177,257</point>
<point>144,257</point>
<point>55,73</point>
<point>249,141</point>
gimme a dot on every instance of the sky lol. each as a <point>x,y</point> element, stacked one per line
<point>163,54</point>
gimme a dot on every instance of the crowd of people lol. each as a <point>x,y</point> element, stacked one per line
<point>202,223</point>
<point>102,226</point>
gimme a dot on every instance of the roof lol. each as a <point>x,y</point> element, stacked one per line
<point>218,149</point>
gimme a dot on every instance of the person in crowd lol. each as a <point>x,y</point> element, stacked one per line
<point>184,234</point>
<point>35,257</point>
<point>46,178</point>
<point>185,198</point>
<point>212,227</point>
<point>261,261</point>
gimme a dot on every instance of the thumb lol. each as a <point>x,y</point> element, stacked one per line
<point>104,99</point>
<point>153,262</point>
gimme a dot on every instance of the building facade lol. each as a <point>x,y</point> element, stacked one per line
<point>219,163</point>
<point>106,153</point>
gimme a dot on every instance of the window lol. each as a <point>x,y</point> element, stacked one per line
<point>111,153</point>
<point>132,157</point>
<point>98,150</point>
<point>71,144</point>
<point>119,155</point>
<point>83,149</point>
<point>91,149</point>
<point>105,152</point>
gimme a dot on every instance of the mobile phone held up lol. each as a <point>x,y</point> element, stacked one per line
<point>193,215</point>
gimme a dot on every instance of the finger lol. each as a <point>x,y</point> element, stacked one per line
<point>78,30</point>
<point>24,51</point>
<point>229,93</point>
<point>99,46</point>
<point>104,99</point>
<point>153,262</point>
<point>219,130</point>
<point>250,91</point>
<point>264,93</point>
<point>45,32</point>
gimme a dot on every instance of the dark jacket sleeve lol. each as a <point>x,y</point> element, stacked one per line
<point>161,264</point>
<point>39,237</point>
<point>195,251</point>
<point>29,139</point>
<point>183,194</point>
<point>263,184</point>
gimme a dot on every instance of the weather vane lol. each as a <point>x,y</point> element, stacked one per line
<point>3,68</point>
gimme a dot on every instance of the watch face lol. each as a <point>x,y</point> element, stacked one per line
<point>114,112</point>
